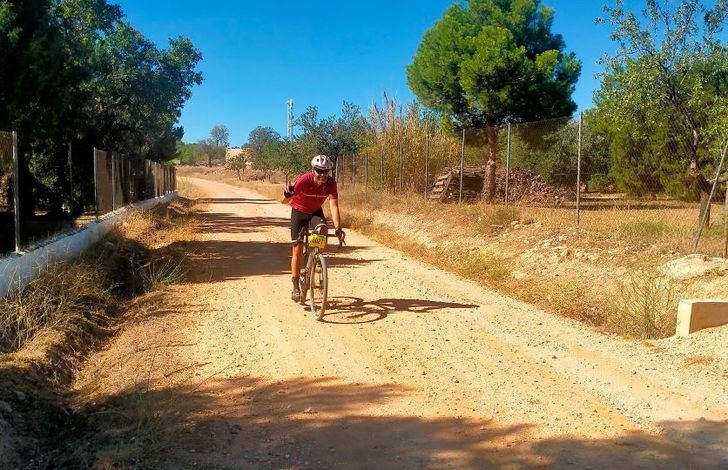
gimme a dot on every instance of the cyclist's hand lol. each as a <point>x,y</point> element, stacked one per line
<point>288,190</point>
<point>341,235</point>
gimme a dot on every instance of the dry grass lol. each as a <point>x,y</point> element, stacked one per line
<point>82,296</point>
<point>64,298</point>
<point>187,190</point>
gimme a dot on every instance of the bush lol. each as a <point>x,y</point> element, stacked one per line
<point>647,305</point>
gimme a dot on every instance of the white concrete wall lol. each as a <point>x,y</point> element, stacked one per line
<point>17,270</point>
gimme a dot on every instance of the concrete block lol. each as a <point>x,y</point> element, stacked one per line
<point>698,314</point>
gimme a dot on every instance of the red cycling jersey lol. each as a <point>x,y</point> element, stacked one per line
<point>308,197</point>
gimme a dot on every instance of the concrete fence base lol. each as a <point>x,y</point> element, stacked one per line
<point>698,314</point>
<point>17,270</point>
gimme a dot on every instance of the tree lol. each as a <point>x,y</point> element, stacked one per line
<point>664,94</point>
<point>207,149</point>
<point>489,62</point>
<point>73,71</point>
<point>219,139</point>
<point>333,136</point>
<point>555,156</point>
<point>260,136</point>
<point>237,163</point>
<point>220,135</point>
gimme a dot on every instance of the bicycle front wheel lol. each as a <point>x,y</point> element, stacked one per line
<point>319,287</point>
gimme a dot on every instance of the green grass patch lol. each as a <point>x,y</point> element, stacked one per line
<point>488,266</point>
<point>644,230</point>
<point>494,219</point>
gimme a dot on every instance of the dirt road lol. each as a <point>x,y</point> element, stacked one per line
<point>412,367</point>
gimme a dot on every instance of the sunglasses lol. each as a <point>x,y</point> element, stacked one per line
<point>321,172</point>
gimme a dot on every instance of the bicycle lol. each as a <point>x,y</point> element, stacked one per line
<point>314,274</point>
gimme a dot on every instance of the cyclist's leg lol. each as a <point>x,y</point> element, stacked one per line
<point>318,223</point>
<point>298,223</point>
<point>299,220</point>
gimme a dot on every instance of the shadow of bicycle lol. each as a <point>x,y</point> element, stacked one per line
<point>353,310</point>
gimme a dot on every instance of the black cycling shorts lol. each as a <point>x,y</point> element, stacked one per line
<point>301,219</point>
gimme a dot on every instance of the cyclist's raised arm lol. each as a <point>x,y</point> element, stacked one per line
<point>288,192</point>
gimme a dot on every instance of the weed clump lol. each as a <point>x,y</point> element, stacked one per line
<point>488,266</point>
<point>497,218</point>
<point>646,306</point>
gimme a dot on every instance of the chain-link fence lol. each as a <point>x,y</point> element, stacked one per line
<point>566,173</point>
<point>38,201</point>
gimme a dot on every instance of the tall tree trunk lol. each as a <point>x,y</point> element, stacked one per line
<point>490,165</point>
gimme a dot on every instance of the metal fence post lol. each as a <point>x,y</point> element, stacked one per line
<point>113,182</point>
<point>710,199</point>
<point>70,178</point>
<point>381,164</point>
<point>96,186</point>
<point>508,160</point>
<point>401,148</point>
<point>725,224</point>
<point>16,190</point>
<point>427,162</point>
<point>462,166</point>
<point>366,171</point>
<point>155,176</point>
<point>578,172</point>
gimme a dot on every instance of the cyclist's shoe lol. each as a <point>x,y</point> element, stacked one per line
<point>296,295</point>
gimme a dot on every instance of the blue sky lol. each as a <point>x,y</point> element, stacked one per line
<point>257,54</point>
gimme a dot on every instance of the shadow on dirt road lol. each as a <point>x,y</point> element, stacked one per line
<point>248,422</point>
<point>350,310</point>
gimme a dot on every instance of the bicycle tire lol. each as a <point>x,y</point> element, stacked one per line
<point>319,286</point>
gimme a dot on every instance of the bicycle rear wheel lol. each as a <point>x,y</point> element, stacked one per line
<point>319,286</point>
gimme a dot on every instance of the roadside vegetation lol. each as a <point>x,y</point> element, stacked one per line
<point>85,295</point>
<point>49,326</point>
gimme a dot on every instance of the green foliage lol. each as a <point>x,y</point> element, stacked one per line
<point>192,154</point>
<point>487,62</point>
<point>664,96</point>
<point>220,136</point>
<point>260,136</point>
<point>75,71</point>
<point>333,136</point>
<point>237,164</point>
<point>550,149</point>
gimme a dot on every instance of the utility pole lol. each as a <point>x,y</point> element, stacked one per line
<point>289,133</point>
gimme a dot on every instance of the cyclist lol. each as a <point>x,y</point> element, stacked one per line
<point>306,198</point>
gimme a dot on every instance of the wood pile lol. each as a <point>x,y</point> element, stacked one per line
<point>447,185</point>
<point>529,189</point>
<point>524,187</point>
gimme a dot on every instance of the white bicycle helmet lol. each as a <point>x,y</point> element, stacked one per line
<point>322,162</point>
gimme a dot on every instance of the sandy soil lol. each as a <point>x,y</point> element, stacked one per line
<point>412,367</point>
